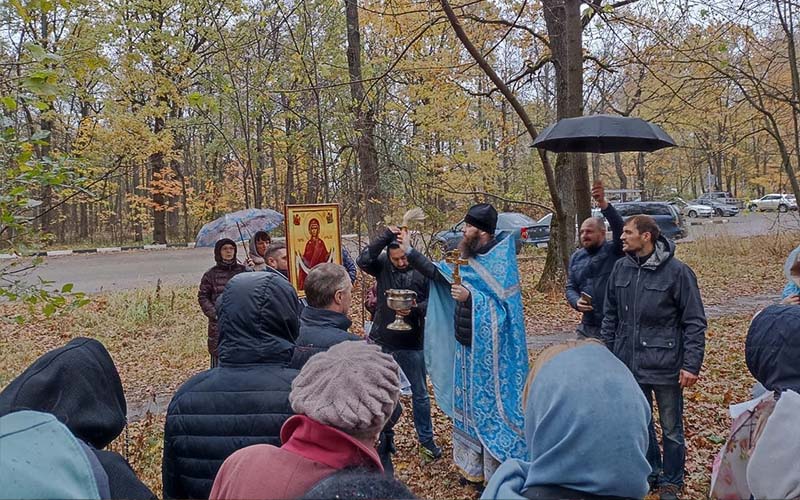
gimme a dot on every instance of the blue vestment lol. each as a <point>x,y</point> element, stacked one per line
<point>480,387</point>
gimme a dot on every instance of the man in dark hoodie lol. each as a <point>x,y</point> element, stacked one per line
<point>80,386</point>
<point>655,323</point>
<point>243,401</point>
<point>211,286</point>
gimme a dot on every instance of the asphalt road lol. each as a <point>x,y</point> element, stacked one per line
<point>94,273</point>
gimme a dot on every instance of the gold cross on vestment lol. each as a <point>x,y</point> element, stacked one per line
<point>454,257</point>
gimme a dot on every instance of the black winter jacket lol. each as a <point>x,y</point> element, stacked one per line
<point>80,386</point>
<point>589,270</point>
<point>374,261</point>
<point>323,328</point>
<point>245,400</point>
<point>463,312</point>
<point>654,318</point>
<point>212,284</point>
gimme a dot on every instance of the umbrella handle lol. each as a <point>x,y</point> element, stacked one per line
<point>241,240</point>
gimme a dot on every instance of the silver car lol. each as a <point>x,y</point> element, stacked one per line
<point>774,201</point>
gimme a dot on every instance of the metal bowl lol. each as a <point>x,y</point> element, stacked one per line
<point>398,299</point>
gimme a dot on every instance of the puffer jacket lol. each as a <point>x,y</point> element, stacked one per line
<point>589,269</point>
<point>79,384</point>
<point>323,328</point>
<point>374,261</point>
<point>463,312</point>
<point>245,400</point>
<point>211,286</point>
<point>654,319</point>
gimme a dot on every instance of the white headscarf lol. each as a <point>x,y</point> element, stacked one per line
<point>774,467</point>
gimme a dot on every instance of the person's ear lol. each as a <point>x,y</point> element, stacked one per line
<point>337,297</point>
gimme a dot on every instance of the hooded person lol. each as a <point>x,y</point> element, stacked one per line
<point>212,285</point>
<point>258,249</point>
<point>342,397</point>
<point>79,384</point>
<point>759,458</point>
<point>245,400</point>
<point>791,269</point>
<point>585,426</point>
<point>42,459</point>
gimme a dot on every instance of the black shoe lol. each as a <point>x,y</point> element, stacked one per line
<point>429,451</point>
<point>669,492</point>
<point>478,486</point>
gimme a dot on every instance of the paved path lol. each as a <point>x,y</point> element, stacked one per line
<point>93,273</point>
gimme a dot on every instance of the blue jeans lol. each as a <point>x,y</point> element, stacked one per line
<point>413,365</point>
<point>670,412</point>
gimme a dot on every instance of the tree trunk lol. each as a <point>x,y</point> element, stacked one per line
<point>364,124</point>
<point>563,20</point>
<point>623,179</point>
<point>557,254</point>
<point>261,162</point>
<point>640,176</point>
<point>157,171</point>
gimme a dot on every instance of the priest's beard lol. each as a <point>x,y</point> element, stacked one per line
<point>469,246</point>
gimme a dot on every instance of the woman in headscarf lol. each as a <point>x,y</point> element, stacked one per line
<point>258,248</point>
<point>585,426</point>
<point>760,459</point>
<point>791,269</point>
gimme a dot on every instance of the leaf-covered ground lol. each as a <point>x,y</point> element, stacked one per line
<point>157,339</point>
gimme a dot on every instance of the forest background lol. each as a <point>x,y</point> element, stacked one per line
<point>140,120</point>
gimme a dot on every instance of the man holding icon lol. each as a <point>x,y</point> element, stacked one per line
<point>590,266</point>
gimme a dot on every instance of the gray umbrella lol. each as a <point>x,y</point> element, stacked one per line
<point>602,134</point>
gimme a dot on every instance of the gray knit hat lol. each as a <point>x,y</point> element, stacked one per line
<point>352,386</point>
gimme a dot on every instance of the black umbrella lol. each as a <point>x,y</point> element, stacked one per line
<point>602,134</point>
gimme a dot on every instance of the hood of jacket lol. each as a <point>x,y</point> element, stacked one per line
<point>313,317</point>
<point>77,383</point>
<point>42,459</point>
<point>218,251</point>
<point>586,429</point>
<point>664,250</point>
<point>321,443</point>
<point>257,319</point>
<point>772,348</point>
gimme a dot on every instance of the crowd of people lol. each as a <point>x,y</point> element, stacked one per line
<point>294,405</point>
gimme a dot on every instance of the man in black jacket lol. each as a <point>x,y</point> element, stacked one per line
<point>324,322</point>
<point>590,266</point>
<point>391,271</point>
<point>79,384</point>
<point>655,323</point>
<point>245,400</point>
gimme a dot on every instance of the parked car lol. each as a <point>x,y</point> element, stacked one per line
<point>720,209</point>
<point>774,201</point>
<point>668,217</point>
<point>722,197</point>
<point>519,225</point>
<point>693,209</point>
<point>539,234</point>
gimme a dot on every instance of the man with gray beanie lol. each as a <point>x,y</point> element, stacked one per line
<point>342,399</point>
